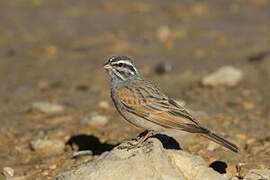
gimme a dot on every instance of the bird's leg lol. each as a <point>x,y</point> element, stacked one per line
<point>141,139</point>
<point>142,134</point>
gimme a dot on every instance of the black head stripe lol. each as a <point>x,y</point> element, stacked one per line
<point>123,67</point>
<point>131,68</point>
<point>118,58</point>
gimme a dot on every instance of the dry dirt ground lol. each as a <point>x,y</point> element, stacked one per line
<point>53,51</point>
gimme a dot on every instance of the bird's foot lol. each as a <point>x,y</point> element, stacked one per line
<point>139,141</point>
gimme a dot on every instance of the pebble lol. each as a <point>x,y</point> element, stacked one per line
<point>43,85</point>
<point>212,146</point>
<point>163,68</point>
<point>8,171</point>
<point>17,178</point>
<point>48,146</point>
<point>51,50</point>
<point>95,119</point>
<point>45,173</point>
<point>48,108</point>
<point>104,105</point>
<point>248,105</point>
<point>163,33</point>
<point>225,76</point>
<point>11,52</point>
<point>82,153</point>
<point>54,166</point>
<point>82,87</point>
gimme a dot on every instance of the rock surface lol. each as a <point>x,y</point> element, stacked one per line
<point>258,174</point>
<point>151,161</point>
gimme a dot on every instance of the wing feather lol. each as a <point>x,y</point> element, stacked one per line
<point>162,110</point>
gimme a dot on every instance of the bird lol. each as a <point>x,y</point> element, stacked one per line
<point>144,105</point>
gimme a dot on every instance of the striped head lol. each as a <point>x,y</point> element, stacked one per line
<point>121,68</point>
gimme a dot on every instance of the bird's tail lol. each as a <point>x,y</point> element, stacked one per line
<point>219,140</point>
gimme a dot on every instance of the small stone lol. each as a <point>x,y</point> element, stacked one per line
<point>199,9</point>
<point>57,84</point>
<point>45,173</point>
<point>48,146</point>
<point>242,137</point>
<point>11,52</point>
<point>46,85</point>
<point>246,92</point>
<point>47,108</point>
<point>164,33</point>
<point>95,119</point>
<point>17,178</point>
<point>212,146</point>
<point>82,87</point>
<point>51,50</point>
<point>53,166</point>
<point>257,57</point>
<point>163,68</point>
<point>224,76</point>
<point>104,105</point>
<point>248,105</point>
<point>43,85</point>
<point>258,3</point>
<point>82,153</point>
<point>250,141</point>
<point>8,171</point>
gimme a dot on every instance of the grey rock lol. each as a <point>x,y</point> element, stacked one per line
<point>47,108</point>
<point>225,76</point>
<point>95,119</point>
<point>151,161</point>
<point>8,172</point>
<point>163,68</point>
<point>47,146</point>
<point>103,105</point>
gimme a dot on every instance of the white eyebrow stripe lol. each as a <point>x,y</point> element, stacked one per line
<point>127,63</point>
<point>124,62</point>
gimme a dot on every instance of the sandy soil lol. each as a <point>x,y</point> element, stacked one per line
<point>53,51</point>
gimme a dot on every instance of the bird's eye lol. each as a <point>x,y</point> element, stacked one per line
<point>120,64</point>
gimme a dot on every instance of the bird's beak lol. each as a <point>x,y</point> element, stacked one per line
<point>107,66</point>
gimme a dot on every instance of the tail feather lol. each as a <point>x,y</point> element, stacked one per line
<point>221,141</point>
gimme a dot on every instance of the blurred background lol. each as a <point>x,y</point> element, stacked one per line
<point>211,55</point>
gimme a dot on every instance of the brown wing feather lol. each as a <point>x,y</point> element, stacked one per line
<point>164,112</point>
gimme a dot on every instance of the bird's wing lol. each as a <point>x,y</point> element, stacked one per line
<point>148,102</point>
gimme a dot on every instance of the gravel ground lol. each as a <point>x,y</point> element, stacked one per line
<point>54,93</point>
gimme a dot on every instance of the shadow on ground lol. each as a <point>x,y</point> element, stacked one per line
<point>219,166</point>
<point>90,142</point>
<point>168,142</point>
